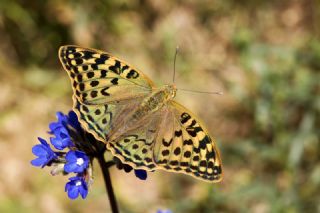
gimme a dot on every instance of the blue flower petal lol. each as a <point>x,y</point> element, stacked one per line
<point>73,193</point>
<point>62,122</point>
<point>76,186</point>
<point>39,150</point>
<point>76,162</point>
<point>73,121</point>
<point>62,118</point>
<point>164,211</point>
<point>38,161</point>
<point>43,141</point>
<point>53,126</point>
<point>84,191</point>
<point>141,174</point>
<point>71,156</point>
<point>44,153</point>
<point>70,167</point>
<point>61,143</point>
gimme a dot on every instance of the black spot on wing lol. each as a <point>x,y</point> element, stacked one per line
<point>85,67</point>
<point>177,151</point>
<point>166,143</point>
<point>103,73</point>
<point>174,163</point>
<point>211,155</point>
<point>77,55</point>
<point>187,142</point>
<point>178,133</point>
<point>132,74</point>
<point>87,54</point>
<point>94,66</point>
<point>104,91</point>
<point>102,59</point>
<point>165,152</point>
<point>196,158</point>
<point>94,94</point>
<point>116,67</point>
<point>187,154</point>
<point>114,81</point>
<point>203,143</point>
<point>124,68</point>
<point>79,78</point>
<point>94,83</point>
<point>90,74</point>
<point>78,61</point>
<point>185,118</point>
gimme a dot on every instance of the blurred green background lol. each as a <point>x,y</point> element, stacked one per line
<point>264,56</point>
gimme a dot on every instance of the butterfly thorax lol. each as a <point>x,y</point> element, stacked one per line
<point>150,104</point>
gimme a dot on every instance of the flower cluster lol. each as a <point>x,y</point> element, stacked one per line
<point>72,154</point>
<point>72,161</point>
<point>164,211</point>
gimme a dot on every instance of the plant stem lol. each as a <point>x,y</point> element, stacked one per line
<point>107,180</point>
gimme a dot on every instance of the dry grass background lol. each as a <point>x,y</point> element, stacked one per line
<point>264,56</point>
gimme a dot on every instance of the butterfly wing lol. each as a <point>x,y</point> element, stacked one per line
<point>184,145</point>
<point>172,139</point>
<point>104,87</point>
<point>135,146</point>
<point>107,89</point>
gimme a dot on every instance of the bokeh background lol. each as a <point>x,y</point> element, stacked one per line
<point>264,56</point>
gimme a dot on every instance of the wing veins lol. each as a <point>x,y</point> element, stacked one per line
<point>118,76</point>
<point>111,85</point>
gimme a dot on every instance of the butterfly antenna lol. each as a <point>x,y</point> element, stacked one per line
<point>203,92</point>
<point>174,64</point>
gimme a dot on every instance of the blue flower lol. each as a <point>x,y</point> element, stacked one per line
<point>73,121</point>
<point>164,211</point>
<point>43,152</point>
<point>62,139</point>
<point>141,174</point>
<point>77,161</point>
<point>77,185</point>
<point>62,121</point>
<point>59,129</point>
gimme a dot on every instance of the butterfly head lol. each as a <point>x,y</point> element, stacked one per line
<point>170,90</point>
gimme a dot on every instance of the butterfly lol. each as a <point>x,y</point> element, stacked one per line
<point>140,123</point>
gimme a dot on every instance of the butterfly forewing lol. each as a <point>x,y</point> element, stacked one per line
<point>104,87</point>
<point>99,78</point>
<point>100,119</point>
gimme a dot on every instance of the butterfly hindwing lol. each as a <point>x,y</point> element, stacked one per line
<point>100,119</point>
<point>135,147</point>
<point>174,140</point>
<point>183,145</point>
